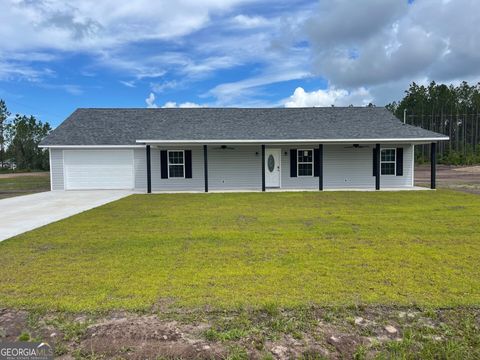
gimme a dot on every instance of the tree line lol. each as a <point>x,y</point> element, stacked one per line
<point>19,139</point>
<point>446,109</point>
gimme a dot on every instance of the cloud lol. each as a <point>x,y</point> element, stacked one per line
<point>69,88</point>
<point>172,104</point>
<point>382,43</point>
<point>161,87</point>
<point>101,24</point>
<point>14,70</point>
<point>228,92</point>
<point>328,97</point>
<point>130,84</point>
<point>249,22</point>
<point>347,22</point>
<point>150,101</point>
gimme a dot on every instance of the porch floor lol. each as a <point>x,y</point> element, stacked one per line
<point>414,188</point>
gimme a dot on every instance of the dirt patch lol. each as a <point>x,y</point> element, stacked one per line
<point>309,333</point>
<point>144,337</point>
<point>28,174</point>
<point>12,323</point>
<point>462,178</point>
<point>468,169</point>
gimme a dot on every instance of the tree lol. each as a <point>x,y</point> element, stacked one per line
<point>448,109</point>
<point>24,135</point>
<point>4,114</point>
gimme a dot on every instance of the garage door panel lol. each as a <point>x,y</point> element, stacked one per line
<point>98,169</point>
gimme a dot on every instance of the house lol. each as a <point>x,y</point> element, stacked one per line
<point>221,149</point>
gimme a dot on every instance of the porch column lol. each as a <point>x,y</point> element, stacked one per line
<point>433,165</point>
<point>320,170</point>
<point>377,161</point>
<point>205,166</point>
<point>263,167</point>
<point>149,170</point>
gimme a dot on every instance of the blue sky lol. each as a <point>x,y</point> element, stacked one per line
<point>56,56</point>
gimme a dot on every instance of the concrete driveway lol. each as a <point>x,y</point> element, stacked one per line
<point>24,213</point>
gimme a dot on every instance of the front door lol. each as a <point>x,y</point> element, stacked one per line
<point>272,167</point>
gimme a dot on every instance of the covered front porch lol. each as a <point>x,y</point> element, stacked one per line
<point>227,167</point>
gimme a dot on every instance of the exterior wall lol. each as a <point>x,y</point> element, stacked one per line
<point>348,167</point>
<point>345,167</point>
<point>140,169</point>
<point>240,169</point>
<point>56,169</point>
<point>196,183</point>
<point>299,182</point>
<point>237,169</point>
<point>405,181</point>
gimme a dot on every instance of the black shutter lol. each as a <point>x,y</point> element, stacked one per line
<point>293,162</point>
<point>316,162</point>
<point>374,162</point>
<point>188,164</point>
<point>163,164</point>
<point>399,161</point>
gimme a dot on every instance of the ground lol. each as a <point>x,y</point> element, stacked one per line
<point>15,184</point>
<point>253,275</point>
<point>462,178</point>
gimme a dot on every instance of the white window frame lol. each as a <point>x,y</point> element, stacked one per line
<point>394,161</point>
<point>183,164</point>
<point>305,162</point>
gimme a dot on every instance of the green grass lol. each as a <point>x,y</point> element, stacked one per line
<point>21,185</point>
<point>257,249</point>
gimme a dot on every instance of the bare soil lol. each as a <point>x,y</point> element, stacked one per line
<point>27,174</point>
<point>462,178</point>
<point>312,334</point>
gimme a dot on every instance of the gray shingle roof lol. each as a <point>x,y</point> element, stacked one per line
<point>125,126</point>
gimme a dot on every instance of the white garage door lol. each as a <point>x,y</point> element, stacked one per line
<point>98,169</point>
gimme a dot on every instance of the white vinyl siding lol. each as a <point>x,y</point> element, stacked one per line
<point>302,182</point>
<point>98,169</point>
<point>347,167</point>
<point>406,180</point>
<point>196,183</point>
<point>237,169</point>
<point>140,164</point>
<point>56,169</point>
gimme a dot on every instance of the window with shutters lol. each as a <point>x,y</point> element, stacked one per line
<point>305,162</point>
<point>176,164</point>
<point>388,161</point>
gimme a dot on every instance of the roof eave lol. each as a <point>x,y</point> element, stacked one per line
<point>422,140</point>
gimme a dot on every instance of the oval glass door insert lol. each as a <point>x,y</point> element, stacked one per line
<point>271,163</point>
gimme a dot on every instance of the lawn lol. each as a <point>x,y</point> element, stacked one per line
<point>251,250</point>
<point>22,184</point>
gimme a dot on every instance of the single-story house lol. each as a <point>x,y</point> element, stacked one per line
<point>222,149</point>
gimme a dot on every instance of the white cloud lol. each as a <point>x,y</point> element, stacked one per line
<point>150,101</point>
<point>166,85</point>
<point>130,84</point>
<point>101,24</point>
<point>228,92</point>
<point>249,22</point>
<point>328,97</point>
<point>173,104</point>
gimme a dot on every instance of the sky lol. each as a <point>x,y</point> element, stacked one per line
<point>59,55</point>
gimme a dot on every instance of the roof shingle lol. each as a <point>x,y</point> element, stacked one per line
<point>126,126</point>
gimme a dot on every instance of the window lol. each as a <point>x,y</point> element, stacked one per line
<point>305,162</point>
<point>176,164</point>
<point>387,161</point>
